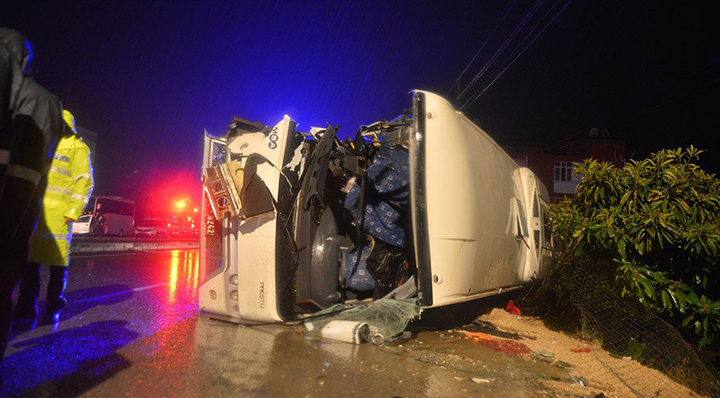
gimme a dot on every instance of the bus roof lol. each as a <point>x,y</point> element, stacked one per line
<point>118,198</point>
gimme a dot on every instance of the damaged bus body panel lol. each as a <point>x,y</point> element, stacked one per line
<point>426,205</point>
<point>478,205</point>
<point>244,237</point>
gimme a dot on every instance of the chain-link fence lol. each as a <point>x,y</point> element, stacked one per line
<point>584,292</point>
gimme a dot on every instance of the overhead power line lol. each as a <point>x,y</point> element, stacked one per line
<point>457,81</point>
<point>710,64</point>
<point>497,53</point>
<point>478,95</point>
<point>509,57</point>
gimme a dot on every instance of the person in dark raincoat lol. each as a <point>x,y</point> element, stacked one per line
<point>30,125</point>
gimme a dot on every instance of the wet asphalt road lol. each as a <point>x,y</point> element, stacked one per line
<point>132,328</point>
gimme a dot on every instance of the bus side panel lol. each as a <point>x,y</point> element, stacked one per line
<point>118,214</point>
<point>471,185</point>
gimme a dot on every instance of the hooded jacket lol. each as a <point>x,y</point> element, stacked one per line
<point>30,127</point>
<point>15,60</point>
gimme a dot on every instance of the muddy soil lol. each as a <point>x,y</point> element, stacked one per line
<point>555,363</point>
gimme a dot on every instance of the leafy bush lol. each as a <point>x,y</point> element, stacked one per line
<point>658,219</point>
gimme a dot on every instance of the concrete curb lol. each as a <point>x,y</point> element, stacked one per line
<point>98,246</point>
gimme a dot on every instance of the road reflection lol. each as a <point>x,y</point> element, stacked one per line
<point>174,264</point>
<point>113,300</point>
<point>183,273</point>
<point>132,328</point>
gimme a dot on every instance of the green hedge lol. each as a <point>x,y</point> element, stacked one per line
<point>658,219</point>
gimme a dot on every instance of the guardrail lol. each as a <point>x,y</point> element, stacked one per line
<point>86,244</point>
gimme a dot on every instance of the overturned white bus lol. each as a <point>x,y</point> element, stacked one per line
<point>425,205</point>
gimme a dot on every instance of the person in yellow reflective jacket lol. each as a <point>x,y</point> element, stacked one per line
<point>70,183</point>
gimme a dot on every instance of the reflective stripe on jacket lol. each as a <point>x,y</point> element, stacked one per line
<point>69,186</point>
<point>31,124</point>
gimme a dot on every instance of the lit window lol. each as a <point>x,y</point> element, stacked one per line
<point>564,172</point>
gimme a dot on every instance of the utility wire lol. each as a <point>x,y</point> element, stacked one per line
<point>507,41</point>
<point>474,98</point>
<point>481,92</point>
<point>711,63</point>
<point>530,33</point>
<point>504,45</point>
<point>457,81</point>
<point>521,43</point>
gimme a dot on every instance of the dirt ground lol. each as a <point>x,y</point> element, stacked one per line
<point>587,363</point>
<point>522,357</point>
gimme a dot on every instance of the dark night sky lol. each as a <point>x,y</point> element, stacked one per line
<point>149,76</point>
